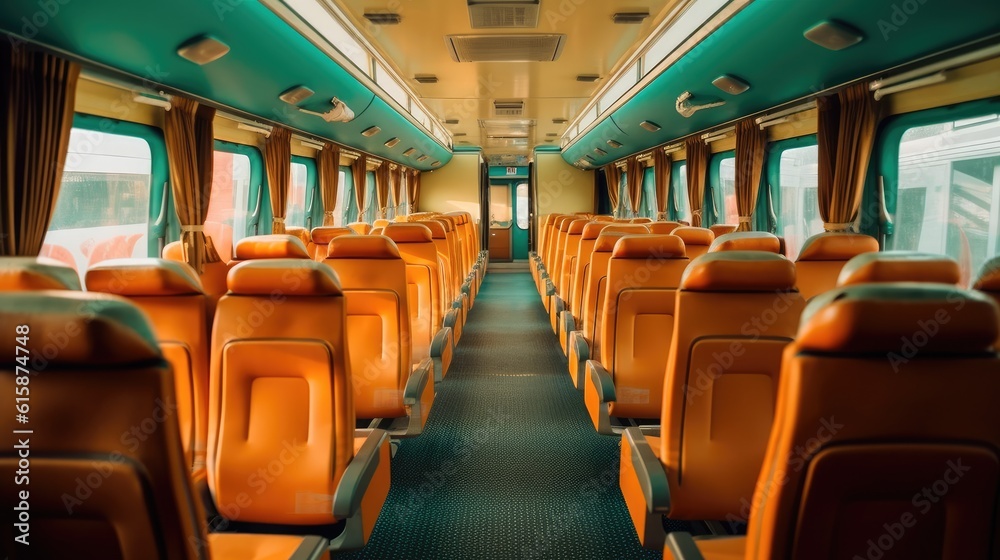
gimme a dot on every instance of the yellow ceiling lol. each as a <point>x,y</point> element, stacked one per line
<point>466,90</point>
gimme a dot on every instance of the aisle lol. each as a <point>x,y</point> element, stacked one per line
<point>509,465</point>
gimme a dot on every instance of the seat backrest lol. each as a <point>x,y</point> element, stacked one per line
<point>98,490</point>
<point>554,235</point>
<point>571,250</point>
<point>376,231</point>
<point>462,228</point>
<point>440,240</point>
<point>458,235</point>
<point>641,220</point>
<point>746,241</point>
<point>319,240</point>
<point>559,252</point>
<point>423,281</point>
<point>662,228</point>
<point>19,274</point>
<point>900,266</point>
<point>280,383</point>
<point>638,316</point>
<point>988,282</point>
<point>274,246</point>
<point>300,232</point>
<point>824,255</point>
<point>213,276</point>
<point>373,278</point>
<point>360,228</point>
<point>380,223</point>
<point>722,229</point>
<point>736,311</point>
<point>544,226</point>
<point>696,240</point>
<point>582,266</point>
<point>171,296</point>
<point>885,443</point>
<point>454,249</point>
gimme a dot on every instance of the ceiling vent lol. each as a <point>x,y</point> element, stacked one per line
<point>588,78</point>
<point>508,108</point>
<point>559,120</point>
<point>426,78</point>
<point>383,18</point>
<point>450,121</point>
<point>630,18</point>
<point>493,14</point>
<point>505,48</point>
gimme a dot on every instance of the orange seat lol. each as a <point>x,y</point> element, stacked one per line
<point>746,241</point>
<point>696,240</point>
<point>900,266</point>
<point>904,467</point>
<point>319,240</point>
<point>663,228</point>
<point>537,256</point>
<point>300,232</point>
<point>170,294</point>
<point>429,337</point>
<point>557,236</point>
<point>641,220</point>
<point>386,384</point>
<point>109,478</point>
<point>736,311</point>
<point>572,316</point>
<point>274,246</point>
<point>461,289</point>
<point>213,276</point>
<point>823,256</point>
<point>29,273</point>
<point>281,402</point>
<point>555,303</point>
<point>988,282</point>
<point>638,314</point>
<point>722,229</point>
<point>451,304</point>
<point>570,250</point>
<point>360,228</point>
<point>380,223</point>
<point>542,262</point>
<point>585,343</point>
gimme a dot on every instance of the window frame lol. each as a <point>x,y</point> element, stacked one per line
<point>647,207</point>
<point>678,188</point>
<point>773,175</point>
<point>710,213</point>
<point>312,200</point>
<point>261,223</point>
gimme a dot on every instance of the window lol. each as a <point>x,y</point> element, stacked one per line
<point>371,200</point>
<point>948,192</point>
<point>797,203</point>
<point>298,191</point>
<point>647,207</point>
<point>521,203</point>
<point>681,210</point>
<point>102,210</point>
<point>403,204</point>
<point>724,189</point>
<point>230,217</point>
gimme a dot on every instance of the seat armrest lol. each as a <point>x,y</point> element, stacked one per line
<point>440,341</point>
<point>579,353</point>
<point>683,547</point>
<point>312,548</point>
<point>648,470</point>
<point>568,325</point>
<point>441,352</point>
<point>417,382</point>
<point>467,287</point>
<point>354,482</point>
<point>602,381</point>
<point>451,317</point>
<point>550,288</point>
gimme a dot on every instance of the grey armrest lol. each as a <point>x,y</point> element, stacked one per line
<point>359,472</point>
<point>602,381</point>
<point>683,547</point>
<point>467,287</point>
<point>568,326</point>
<point>578,342</point>
<point>417,382</point>
<point>649,471</point>
<point>441,344</point>
<point>550,288</point>
<point>311,548</point>
<point>451,317</point>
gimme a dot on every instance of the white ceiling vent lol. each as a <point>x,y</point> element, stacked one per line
<point>493,14</point>
<point>505,48</point>
<point>508,108</point>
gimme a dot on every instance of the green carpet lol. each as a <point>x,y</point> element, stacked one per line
<point>509,464</point>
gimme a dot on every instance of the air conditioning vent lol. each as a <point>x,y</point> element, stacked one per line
<point>508,108</point>
<point>559,120</point>
<point>630,18</point>
<point>493,14</point>
<point>450,121</point>
<point>426,78</point>
<point>505,48</point>
<point>588,78</point>
<point>383,18</point>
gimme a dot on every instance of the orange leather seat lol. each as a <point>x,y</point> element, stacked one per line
<point>551,260</point>
<point>320,237</point>
<point>376,231</point>
<point>380,223</point>
<point>638,314</point>
<point>555,303</point>
<point>746,241</point>
<point>900,266</point>
<point>454,247</point>
<point>171,296</point>
<point>30,273</point>
<point>274,246</point>
<point>823,256</point>
<point>736,311</point>
<point>585,343</point>
<point>360,228</point>
<point>570,250</point>
<point>537,257</point>
<point>429,337</point>
<point>572,316</point>
<point>281,404</point>
<point>663,228</point>
<point>988,282</point>
<point>213,277</point>
<point>696,240</point>
<point>300,232</point>
<point>542,260</point>
<point>641,220</point>
<point>906,467</point>
<point>109,476</point>
<point>451,304</point>
<point>386,384</point>
<point>722,229</point>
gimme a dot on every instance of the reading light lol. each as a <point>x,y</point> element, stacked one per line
<point>630,17</point>
<point>650,126</point>
<point>296,95</point>
<point>559,120</point>
<point>435,164</point>
<point>383,18</point>
<point>451,121</point>
<point>730,84</point>
<point>203,49</point>
<point>409,152</point>
<point>588,78</point>
<point>422,158</point>
<point>600,152</point>
<point>426,78</point>
<point>834,35</point>
<point>614,144</point>
<point>370,131</point>
<point>391,143</point>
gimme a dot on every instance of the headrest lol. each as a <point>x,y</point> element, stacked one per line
<point>549,218</point>
<point>885,318</point>
<point>93,329</point>
<point>461,218</point>
<point>376,231</point>
<point>722,229</point>
<point>436,227</point>
<point>649,246</point>
<point>363,247</point>
<point>746,241</point>
<point>836,246</point>
<point>447,223</point>
<point>603,218</point>
<point>694,235</point>
<point>566,221</point>
<point>31,273</point>
<point>381,222</point>
<point>641,221</point>
<point>290,277</point>
<point>592,230</point>
<point>576,226</point>
<point>899,266</point>
<point>173,251</point>
<point>360,228</point>
<point>323,234</point>
<point>662,228</point>
<point>144,277</point>
<point>607,240</point>
<point>739,271</point>
<point>277,246</point>
<point>989,277</point>
<point>409,233</point>
<point>300,232</point>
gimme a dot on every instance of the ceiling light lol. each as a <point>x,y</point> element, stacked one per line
<point>426,78</point>
<point>422,158</point>
<point>589,78</point>
<point>296,95</point>
<point>458,134</point>
<point>265,132</point>
<point>834,35</point>
<point>591,158</point>
<point>391,143</point>
<point>409,152</point>
<point>559,120</point>
<point>203,49</point>
<point>552,134</point>
<point>730,84</point>
<point>451,121</point>
<point>147,99</point>
<point>600,152</point>
<point>650,126</point>
<point>370,131</point>
<point>383,18</point>
<point>435,164</point>
<point>614,144</point>
<point>310,144</point>
<point>630,17</point>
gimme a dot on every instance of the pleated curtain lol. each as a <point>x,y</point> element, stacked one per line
<point>697,171</point>
<point>633,178</point>
<point>613,175</point>
<point>662,167</point>
<point>278,160</point>
<point>359,168</point>
<point>329,180</point>
<point>382,178</point>
<point>750,144</point>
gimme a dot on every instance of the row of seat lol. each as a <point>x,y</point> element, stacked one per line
<point>299,350</point>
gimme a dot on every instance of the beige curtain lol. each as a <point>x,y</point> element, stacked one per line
<point>360,171</point>
<point>633,178</point>
<point>750,144</point>
<point>36,112</point>
<point>278,160</point>
<point>382,179</point>
<point>857,122</point>
<point>187,130</point>
<point>397,186</point>
<point>413,188</point>
<point>613,175</point>
<point>329,180</point>
<point>662,167</point>
<point>697,170</point>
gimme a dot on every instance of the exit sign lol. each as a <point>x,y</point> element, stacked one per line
<point>511,171</point>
